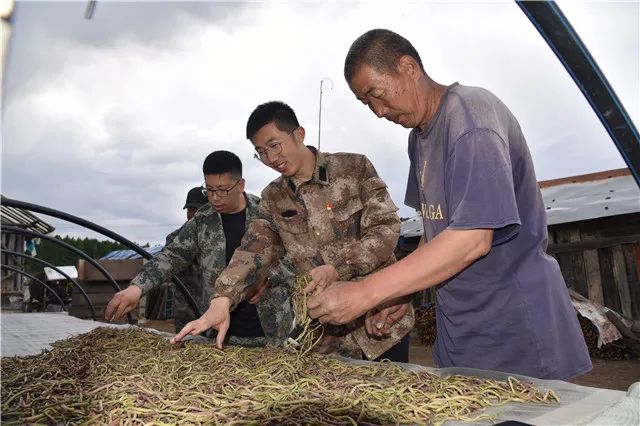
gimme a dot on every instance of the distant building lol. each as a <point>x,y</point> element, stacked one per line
<point>130,254</point>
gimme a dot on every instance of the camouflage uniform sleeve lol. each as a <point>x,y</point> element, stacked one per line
<point>172,236</point>
<point>379,229</point>
<point>174,258</point>
<point>261,247</point>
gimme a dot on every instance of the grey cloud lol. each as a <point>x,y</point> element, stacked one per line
<point>133,178</point>
<point>37,26</point>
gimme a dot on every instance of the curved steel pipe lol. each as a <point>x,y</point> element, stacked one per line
<point>80,253</point>
<point>36,280</point>
<point>563,39</point>
<point>104,231</point>
<point>61,272</point>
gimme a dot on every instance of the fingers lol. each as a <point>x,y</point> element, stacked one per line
<point>187,329</point>
<point>122,303</point>
<point>325,319</point>
<point>309,289</point>
<point>111,307</point>
<point>318,280</point>
<point>396,315</point>
<point>368,322</point>
<point>222,333</point>
<point>379,322</point>
<point>124,309</point>
<point>321,278</point>
<point>313,303</point>
<point>381,319</point>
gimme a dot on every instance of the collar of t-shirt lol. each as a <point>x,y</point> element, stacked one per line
<point>234,227</point>
<point>429,125</point>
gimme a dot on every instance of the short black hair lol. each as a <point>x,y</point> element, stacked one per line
<point>380,49</point>
<point>272,112</point>
<point>220,162</point>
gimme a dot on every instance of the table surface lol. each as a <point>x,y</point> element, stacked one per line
<point>30,333</point>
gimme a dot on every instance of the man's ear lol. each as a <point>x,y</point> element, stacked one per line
<point>241,185</point>
<point>408,66</point>
<point>299,134</point>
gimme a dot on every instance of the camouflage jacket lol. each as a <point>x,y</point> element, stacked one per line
<point>192,280</point>
<point>200,241</point>
<point>343,216</point>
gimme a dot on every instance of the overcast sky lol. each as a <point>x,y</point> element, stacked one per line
<point>110,118</point>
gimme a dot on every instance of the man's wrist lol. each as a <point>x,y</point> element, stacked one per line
<point>370,292</point>
<point>221,302</point>
<point>137,285</point>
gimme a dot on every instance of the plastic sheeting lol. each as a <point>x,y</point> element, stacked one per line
<point>29,334</point>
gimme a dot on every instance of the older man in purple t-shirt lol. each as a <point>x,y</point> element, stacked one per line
<point>502,303</point>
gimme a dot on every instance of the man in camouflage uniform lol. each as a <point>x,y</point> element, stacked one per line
<point>332,216</point>
<point>209,240</point>
<point>191,277</point>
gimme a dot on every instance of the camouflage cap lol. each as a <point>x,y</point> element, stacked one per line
<point>195,198</point>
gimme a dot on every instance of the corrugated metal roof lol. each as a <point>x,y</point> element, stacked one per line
<point>573,199</point>
<point>53,275</point>
<point>130,254</point>
<point>590,196</point>
<point>24,219</point>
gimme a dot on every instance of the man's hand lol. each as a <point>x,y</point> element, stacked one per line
<point>322,277</point>
<point>379,320</point>
<point>255,292</point>
<point>340,303</point>
<point>122,303</point>
<point>217,317</point>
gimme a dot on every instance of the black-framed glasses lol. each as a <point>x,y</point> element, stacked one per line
<point>274,148</point>
<point>221,193</point>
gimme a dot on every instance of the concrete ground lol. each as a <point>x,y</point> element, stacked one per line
<point>617,375</point>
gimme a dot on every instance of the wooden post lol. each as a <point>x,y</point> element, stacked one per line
<point>572,263</point>
<point>592,272</point>
<point>622,282</point>
<point>609,288</point>
<point>632,258</point>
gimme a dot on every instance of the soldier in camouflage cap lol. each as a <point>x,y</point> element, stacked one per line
<point>332,216</point>
<point>209,240</point>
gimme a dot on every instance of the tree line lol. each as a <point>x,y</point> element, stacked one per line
<point>60,256</point>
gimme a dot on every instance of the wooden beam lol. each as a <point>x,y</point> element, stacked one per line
<point>592,244</point>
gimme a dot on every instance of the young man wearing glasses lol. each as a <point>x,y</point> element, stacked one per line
<point>330,214</point>
<point>208,240</point>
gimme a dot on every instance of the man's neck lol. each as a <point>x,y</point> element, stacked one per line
<point>242,204</point>
<point>433,95</point>
<point>308,167</point>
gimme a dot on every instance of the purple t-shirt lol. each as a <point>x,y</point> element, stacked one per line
<point>510,310</point>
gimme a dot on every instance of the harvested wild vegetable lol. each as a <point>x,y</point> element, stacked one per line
<point>132,376</point>
<point>307,332</point>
